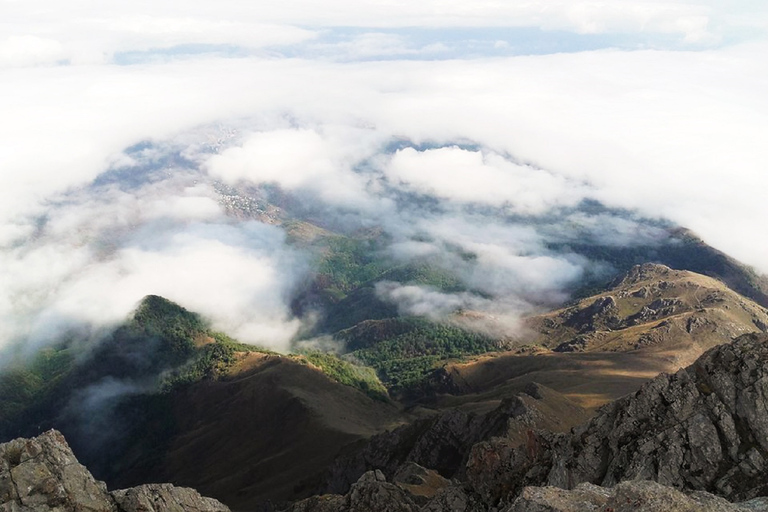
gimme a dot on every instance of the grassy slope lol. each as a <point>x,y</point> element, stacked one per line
<point>620,349</point>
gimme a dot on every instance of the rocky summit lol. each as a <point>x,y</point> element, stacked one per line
<point>695,440</point>
<point>43,475</point>
<point>702,428</point>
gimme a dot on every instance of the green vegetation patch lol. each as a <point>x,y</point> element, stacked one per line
<point>161,342</point>
<point>347,373</point>
<point>210,361</point>
<point>346,263</point>
<point>25,385</point>
<point>406,359</point>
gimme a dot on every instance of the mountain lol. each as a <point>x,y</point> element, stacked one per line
<point>653,319</point>
<point>163,397</point>
<point>651,306</point>
<point>700,430</point>
<point>443,441</point>
<point>264,431</point>
<point>664,433</point>
<point>681,249</point>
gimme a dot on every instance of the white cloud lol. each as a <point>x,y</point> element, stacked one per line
<point>423,301</point>
<point>90,32</point>
<point>239,278</point>
<point>677,135</point>
<point>21,51</point>
<point>471,176</point>
<point>290,158</point>
<point>247,288</point>
<point>304,160</point>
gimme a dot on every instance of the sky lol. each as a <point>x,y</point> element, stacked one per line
<point>658,108</point>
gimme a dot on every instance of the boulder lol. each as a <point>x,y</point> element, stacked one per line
<point>43,475</point>
<point>165,498</point>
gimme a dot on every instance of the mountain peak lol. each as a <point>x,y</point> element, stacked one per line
<point>156,314</point>
<point>643,272</point>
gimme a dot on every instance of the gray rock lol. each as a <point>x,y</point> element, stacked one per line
<point>454,499</point>
<point>165,498</point>
<point>419,483</point>
<point>702,428</point>
<point>629,496</point>
<point>371,493</point>
<point>443,442</point>
<point>585,498</point>
<point>42,475</point>
<point>324,503</point>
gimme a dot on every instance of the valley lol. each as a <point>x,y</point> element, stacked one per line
<point>398,361</point>
<point>168,399</point>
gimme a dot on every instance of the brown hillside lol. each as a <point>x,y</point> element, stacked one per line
<point>264,432</point>
<point>653,320</point>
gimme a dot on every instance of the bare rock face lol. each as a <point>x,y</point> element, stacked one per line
<point>702,428</point>
<point>629,496</point>
<point>601,314</point>
<point>371,493</point>
<point>165,498</point>
<point>42,475</point>
<point>651,307</point>
<point>455,499</point>
<point>442,443</point>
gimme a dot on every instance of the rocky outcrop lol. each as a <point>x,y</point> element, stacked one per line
<point>371,493</point>
<point>702,428</point>
<point>455,499</point>
<point>630,496</point>
<point>698,311</point>
<point>599,315</point>
<point>419,483</point>
<point>43,475</point>
<point>443,442</point>
<point>165,498</point>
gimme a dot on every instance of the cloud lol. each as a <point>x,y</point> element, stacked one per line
<point>290,158</point>
<point>471,176</point>
<point>21,51</point>
<point>485,143</point>
<point>426,302</point>
<point>498,318</point>
<point>250,285</point>
<point>304,161</point>
<point>101,249</point>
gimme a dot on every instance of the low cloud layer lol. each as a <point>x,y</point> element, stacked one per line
<point>446,173</point>
<point>461,160</point>
<point>99,250</point>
